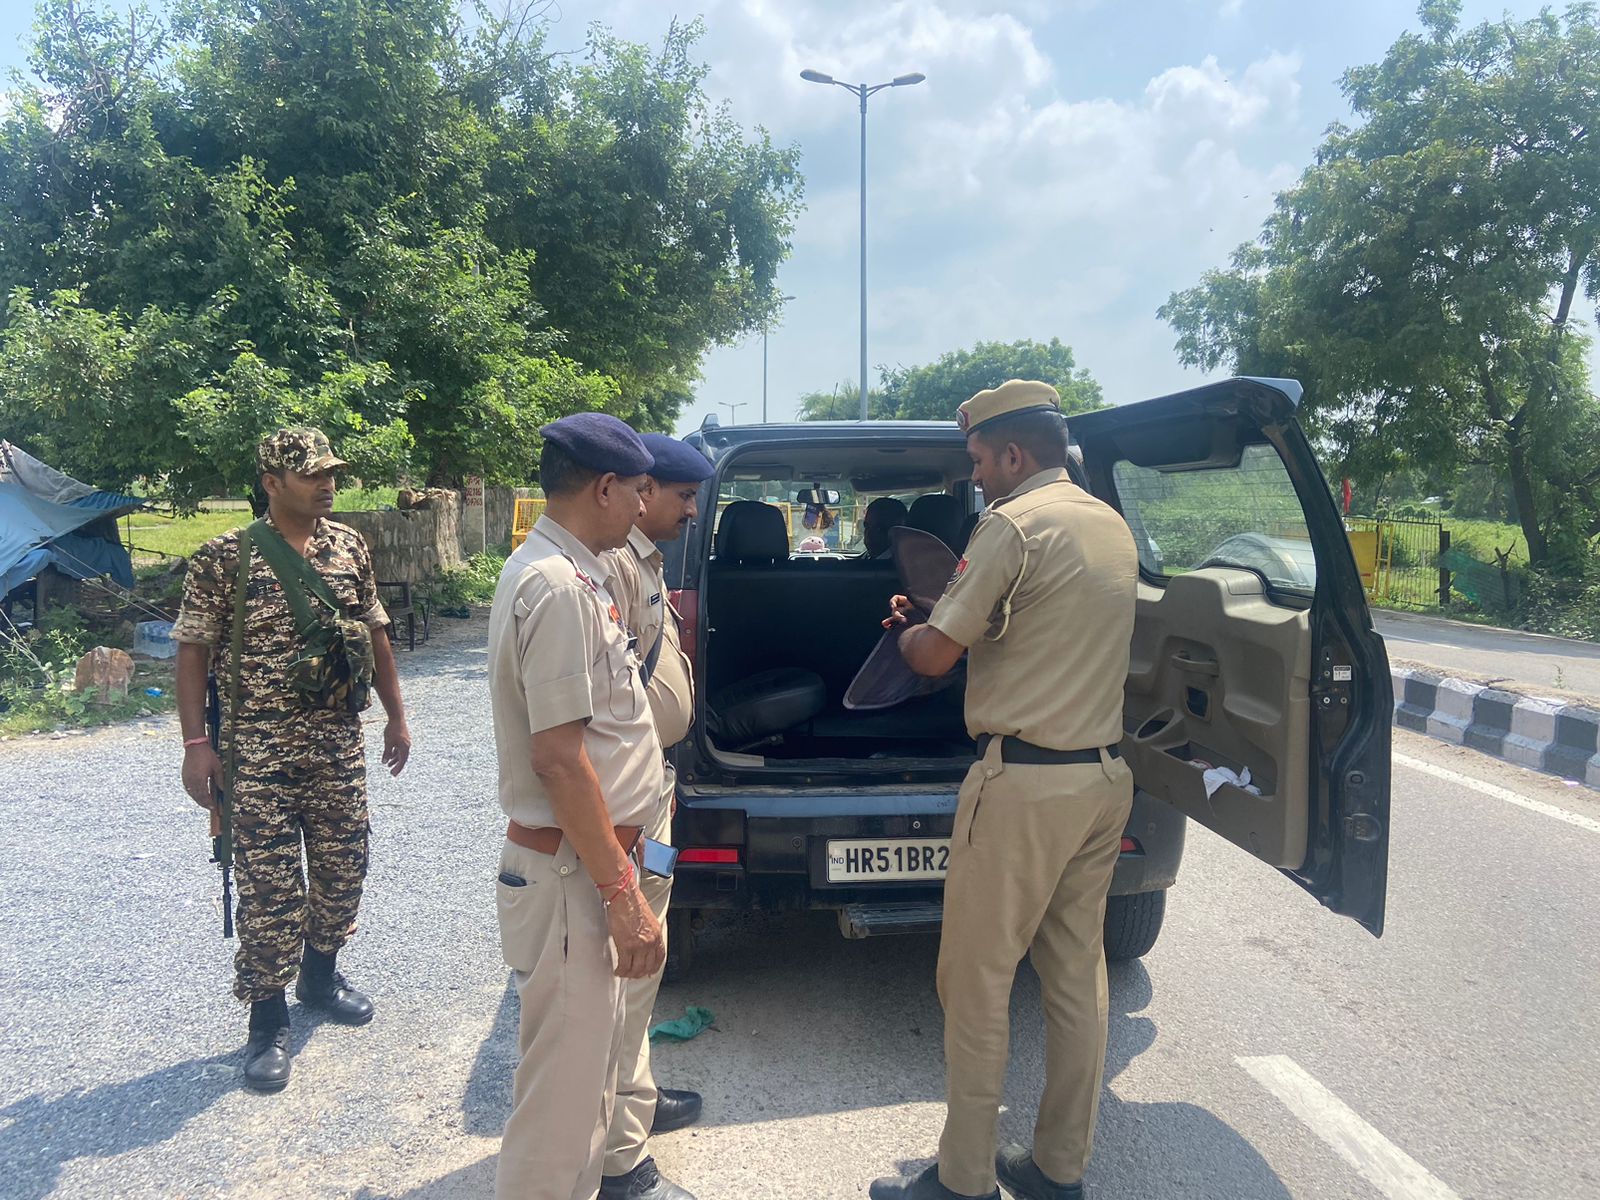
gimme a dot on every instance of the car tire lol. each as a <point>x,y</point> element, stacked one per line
<point>1133,923</point>
<point>680,945</point>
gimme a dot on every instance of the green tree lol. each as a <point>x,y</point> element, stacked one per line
<point>428,239</point>
<point>657,227</point>
<point>1420,278</point>
<point>843,403</point>
<point>934,392</point>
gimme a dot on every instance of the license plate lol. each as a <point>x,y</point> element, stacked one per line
<point>888,861</point>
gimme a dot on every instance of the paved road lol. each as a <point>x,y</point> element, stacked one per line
<point>1526,662</point>
<point>1262,1049</point>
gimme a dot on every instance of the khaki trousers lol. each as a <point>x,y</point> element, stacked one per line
<point>635,1106</point>
<point>554,937</point>
<point>1031,858</point>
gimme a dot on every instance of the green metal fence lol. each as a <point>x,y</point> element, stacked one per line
<point>1400,562</point>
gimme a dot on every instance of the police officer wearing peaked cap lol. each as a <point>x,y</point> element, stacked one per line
<point>638,583</point>
<point>1043,605</point>
<point>580,777</point>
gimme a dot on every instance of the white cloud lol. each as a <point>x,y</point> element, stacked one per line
<point>1230,9</point>
<point>1004,201</point>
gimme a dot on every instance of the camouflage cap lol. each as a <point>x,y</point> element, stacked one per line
<point>303,451</point>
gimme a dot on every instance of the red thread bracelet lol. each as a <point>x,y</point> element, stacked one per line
<point>620,886</point>
<point>196,741</point>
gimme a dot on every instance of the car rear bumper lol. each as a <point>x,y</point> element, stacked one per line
<point>771,849</point>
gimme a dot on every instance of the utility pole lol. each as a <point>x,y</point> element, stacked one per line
<point>862,91</point>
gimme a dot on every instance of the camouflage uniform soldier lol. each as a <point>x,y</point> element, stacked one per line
<point>300,771</point>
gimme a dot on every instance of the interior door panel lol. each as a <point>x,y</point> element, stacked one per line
<point>1220,676</point>
<point>1253,647</point>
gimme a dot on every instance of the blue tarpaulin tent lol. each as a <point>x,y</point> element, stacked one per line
<point>48,519</point>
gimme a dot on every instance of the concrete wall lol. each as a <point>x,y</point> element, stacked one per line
<point>424,535</point>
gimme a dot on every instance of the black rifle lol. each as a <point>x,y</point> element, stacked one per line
<point>222,816</point>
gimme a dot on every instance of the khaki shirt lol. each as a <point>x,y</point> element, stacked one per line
<point>559,652</point>
<point>1045,599</point>
<point>271,642</point>
<point>638,581</point>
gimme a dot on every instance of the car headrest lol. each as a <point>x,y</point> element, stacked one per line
<point>752,532</point>
<point>938,514</point>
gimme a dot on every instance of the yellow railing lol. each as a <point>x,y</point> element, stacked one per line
<point>522,519</point>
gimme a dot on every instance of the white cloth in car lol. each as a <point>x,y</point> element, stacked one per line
<point>1217,776</point>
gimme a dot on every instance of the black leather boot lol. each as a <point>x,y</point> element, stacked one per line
<point>675,1110</point>
<point>322,988</point>
<point>1023,1179</point>
<point>925,1186</point>
<point>266,1054</point>
<point>644,1182</point>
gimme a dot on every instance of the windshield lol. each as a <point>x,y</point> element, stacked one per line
<point>823,517</point>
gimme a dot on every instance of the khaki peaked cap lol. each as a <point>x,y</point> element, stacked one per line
<point>1011,397</point>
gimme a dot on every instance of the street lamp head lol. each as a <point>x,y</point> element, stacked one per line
<point>811,76</point>
<point>908,80</point>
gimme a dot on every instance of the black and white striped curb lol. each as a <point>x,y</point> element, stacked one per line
<point>1548,735</point>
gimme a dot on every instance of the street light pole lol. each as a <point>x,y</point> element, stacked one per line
<point>764,324</point>
<point>863,94</point>
<point>862,91</point>
<point>733,406</point>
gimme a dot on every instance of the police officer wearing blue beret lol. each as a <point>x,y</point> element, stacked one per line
<point>638,583</point>
<point>581,776</point>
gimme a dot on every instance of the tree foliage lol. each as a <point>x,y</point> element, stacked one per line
<point>934,391</point>
<point>430,237</point>
<point>1421,277</point>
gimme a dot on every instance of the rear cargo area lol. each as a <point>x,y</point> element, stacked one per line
<point>771,621</point>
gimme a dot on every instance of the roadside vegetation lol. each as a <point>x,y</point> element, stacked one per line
<point>37,671</point>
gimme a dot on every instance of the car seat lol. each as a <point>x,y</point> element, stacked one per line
<point>760,708</point>
<point>751,534</point>
<point>939,514</point>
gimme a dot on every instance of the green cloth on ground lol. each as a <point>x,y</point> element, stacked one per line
<point>694,1021</point>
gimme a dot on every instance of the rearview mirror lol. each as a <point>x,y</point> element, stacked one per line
<point>817,496</point>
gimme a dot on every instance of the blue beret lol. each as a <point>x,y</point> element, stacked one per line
<point>600,442</point>
<point>675,461</point>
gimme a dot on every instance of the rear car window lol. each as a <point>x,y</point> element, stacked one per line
<point>1241,516</point>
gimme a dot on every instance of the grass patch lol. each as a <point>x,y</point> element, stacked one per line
<point>366,499</point>
<point>155,535</point>
<point>453,592</point>
<point>1480,538</point>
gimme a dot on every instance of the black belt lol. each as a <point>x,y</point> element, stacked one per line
<point>1015,750</point>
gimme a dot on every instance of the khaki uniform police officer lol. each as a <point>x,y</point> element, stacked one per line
<point>638,583</point>
<point>580,776</point>
<point>1044,604</point>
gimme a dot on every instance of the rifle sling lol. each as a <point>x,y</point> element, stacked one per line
<point>241,589</point>
<point>298,578</point>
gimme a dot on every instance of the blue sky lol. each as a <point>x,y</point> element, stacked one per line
<point>1065,167</point>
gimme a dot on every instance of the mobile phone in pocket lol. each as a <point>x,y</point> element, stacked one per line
<point>658,858</point>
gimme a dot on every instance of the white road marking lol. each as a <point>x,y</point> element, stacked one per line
<point>1498,792</point>
<point>1378,1160</point>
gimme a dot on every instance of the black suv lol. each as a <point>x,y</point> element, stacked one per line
<point>1258,701</point>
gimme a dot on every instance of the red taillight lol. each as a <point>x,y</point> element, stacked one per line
<point>704,855</point>
<point>1129,846</point>
<point>687,605</point>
